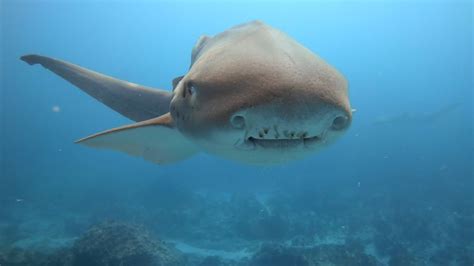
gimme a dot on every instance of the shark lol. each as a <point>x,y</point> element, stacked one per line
<point>252,94</point>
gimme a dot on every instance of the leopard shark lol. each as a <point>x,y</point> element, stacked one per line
<point>252,94</point>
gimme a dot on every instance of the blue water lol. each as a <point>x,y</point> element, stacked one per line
<point>402,176</point>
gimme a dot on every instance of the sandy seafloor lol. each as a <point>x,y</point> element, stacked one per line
<point>354,228</point>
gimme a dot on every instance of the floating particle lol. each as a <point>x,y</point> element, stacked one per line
<point>56,109</point>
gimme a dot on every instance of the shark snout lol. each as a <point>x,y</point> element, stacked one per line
<point>339,122</point>
<point>271,127</point>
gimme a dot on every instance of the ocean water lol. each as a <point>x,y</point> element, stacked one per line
<point>396,189</point>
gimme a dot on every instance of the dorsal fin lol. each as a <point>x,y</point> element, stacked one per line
<point>200,44</point>
<point>176,81</point>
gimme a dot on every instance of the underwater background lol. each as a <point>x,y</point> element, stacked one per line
<point>397,189</point>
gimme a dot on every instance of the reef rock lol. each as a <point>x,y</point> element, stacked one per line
<point>278,255</point>
<point>254,221</point>
<point>20,257</point>
<point>327,255</point>
<point>114,243</point>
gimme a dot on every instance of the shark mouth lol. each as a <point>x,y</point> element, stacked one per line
<point>281,143</point>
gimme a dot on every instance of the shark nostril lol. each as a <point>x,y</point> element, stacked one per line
<point>237,121</point>
<point>340,122</point>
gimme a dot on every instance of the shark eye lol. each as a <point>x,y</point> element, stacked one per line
<point>191,88</point>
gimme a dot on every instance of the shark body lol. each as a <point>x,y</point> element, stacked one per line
<point>252,94</point>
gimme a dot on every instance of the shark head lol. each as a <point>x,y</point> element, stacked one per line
<point>253,94</point>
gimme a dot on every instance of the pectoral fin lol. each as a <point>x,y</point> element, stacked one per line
<point>134,101</point>
<point>155,140</point>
